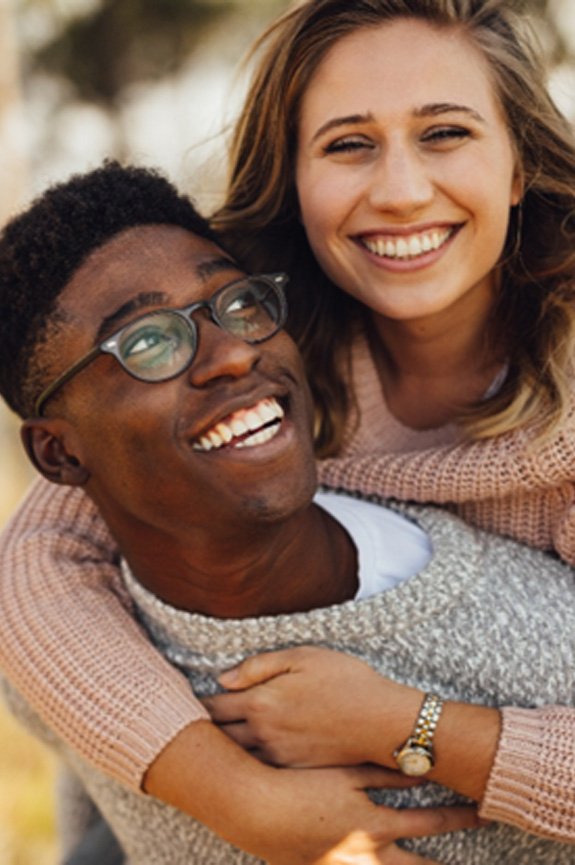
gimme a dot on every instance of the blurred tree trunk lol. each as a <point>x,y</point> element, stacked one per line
<point>13,165</point>
<point>14,473</point>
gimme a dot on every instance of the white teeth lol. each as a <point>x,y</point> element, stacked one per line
<point>242,422</point>
<point>225,432</point>
<point>253,420</point>
<point>408,247</point>
<point>267,412</point>
<point>259,438</point>
<point>401,248</point>
<point>239,427</point>
<point>415,246</point>
<point>204,444</point>
<point>216,440</point>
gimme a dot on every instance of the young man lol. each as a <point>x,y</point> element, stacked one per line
<point>157,377</point>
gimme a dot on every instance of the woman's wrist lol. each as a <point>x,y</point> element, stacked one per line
<point>464,742</point>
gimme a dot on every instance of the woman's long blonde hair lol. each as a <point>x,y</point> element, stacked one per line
<point>260,217</point>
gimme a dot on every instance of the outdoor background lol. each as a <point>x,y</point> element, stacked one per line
<point>153,82</point>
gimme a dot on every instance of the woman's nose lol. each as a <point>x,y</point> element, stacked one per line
<point>401,182</point>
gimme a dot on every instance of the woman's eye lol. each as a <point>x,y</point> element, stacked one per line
<point>348,145</point>
<point>445,134</point>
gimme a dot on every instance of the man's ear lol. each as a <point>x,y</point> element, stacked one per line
<point>46,441</point>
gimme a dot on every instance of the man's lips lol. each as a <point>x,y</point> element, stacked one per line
<point>408,246</point>
<point>246,427</point>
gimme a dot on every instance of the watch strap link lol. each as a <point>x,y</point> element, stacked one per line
<point>415,756</point>
<point>427,720</point>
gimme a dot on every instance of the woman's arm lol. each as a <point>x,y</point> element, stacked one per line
<point>70,644</point>
<point>503,484</point>
<point>519,763</point>
<point>292,817</point>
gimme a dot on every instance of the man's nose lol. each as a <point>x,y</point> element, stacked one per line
<point>401,182</point>
<point>220,354</point>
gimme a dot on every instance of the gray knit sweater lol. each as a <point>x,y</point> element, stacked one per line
<point>487,621</point>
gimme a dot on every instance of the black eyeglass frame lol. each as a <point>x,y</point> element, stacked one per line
<point>110,345</point>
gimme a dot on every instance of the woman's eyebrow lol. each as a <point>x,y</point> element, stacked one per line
<point>342,121</point>
<point>434,109</point>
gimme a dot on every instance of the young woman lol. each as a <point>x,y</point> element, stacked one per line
<point>407,153</point>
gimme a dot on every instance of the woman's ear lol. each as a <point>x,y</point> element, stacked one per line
<point>45,442</point>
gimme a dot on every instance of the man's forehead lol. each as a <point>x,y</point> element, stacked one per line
<point>143,260</point>
<point>148,244</point>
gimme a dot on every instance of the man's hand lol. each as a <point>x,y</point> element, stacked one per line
<point>297,707</point>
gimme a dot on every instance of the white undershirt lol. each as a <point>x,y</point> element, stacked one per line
<point>390,548</point>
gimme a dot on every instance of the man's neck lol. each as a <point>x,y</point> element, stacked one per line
<point>308,561</point>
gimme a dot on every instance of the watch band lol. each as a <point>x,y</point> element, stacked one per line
<point>415,756</point>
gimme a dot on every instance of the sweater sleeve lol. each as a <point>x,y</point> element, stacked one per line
<point>509,485</point>
<point>532,781</point>
<point>70,644</point>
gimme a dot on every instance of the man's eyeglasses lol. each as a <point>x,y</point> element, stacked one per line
<point>160,345</point>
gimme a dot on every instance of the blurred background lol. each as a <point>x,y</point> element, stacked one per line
<point>155,82</point>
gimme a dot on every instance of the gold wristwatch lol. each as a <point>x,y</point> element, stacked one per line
<point>415,756</point>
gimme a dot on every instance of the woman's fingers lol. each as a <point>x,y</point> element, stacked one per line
<point>257,669</point>
<point>225,708</point>
<point>418,822</point>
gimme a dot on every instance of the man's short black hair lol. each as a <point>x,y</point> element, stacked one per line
<point>42,248</point>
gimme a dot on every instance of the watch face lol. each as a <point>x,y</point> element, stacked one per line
<point>414,761</point>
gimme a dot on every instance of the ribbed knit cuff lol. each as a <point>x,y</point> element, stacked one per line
<point>532,782</point>
<point>149,736</point>
<point>509,792</point>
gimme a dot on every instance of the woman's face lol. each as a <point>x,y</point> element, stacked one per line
<point>406,171</point>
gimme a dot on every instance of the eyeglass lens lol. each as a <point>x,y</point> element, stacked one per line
<point>160,345</point>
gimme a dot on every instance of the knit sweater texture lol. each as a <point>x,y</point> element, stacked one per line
<point>454,628</point>
<point>69,641</point>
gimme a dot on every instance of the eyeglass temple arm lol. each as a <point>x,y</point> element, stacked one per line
<point>49,392</point>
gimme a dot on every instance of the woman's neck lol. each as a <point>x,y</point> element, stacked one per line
<point>431,374</point>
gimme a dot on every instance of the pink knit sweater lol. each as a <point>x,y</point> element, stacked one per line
<point>69,642</point>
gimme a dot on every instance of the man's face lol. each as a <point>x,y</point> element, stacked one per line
<point>224,445</point>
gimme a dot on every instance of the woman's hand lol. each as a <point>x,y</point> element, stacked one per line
<point>317,707</point>
<point>313,707</point>
<point>291,816</point>
<point>328,810</point>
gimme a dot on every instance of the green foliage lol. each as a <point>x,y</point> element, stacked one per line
<point>122,42</point>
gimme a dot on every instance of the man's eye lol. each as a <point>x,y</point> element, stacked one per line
<point>445,134</point>
<point>242,305</point>
<point>150,339</point>
<point>150,346</point>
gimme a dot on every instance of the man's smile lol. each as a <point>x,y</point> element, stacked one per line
<point>246,427</point>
